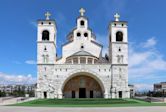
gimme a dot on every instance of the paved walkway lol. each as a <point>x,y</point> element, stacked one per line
<point>13,100</point>
<point>103,109</point>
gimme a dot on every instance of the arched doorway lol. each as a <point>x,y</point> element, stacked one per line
<point>82,86</point>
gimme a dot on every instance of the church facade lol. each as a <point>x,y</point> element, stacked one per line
<point>82,71</point>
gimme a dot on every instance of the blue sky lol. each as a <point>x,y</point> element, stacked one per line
<point>147,37</point>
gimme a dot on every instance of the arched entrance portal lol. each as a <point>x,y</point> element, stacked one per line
<point>82,86</point>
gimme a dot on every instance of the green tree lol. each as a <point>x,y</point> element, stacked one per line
<point>2,94</point>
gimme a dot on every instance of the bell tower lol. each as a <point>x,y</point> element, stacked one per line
<point>118,57</point>
<point>46,41</point>
<point>118,41</point>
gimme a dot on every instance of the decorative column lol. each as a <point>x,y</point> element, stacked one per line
<point>105,94</point>
<point>72,61</point>
<point>78,60</point>
<point>60,95</point>
<point>86,60</point>
<point>93,60</point>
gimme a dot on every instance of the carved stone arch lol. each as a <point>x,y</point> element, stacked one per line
<point>85,73</point>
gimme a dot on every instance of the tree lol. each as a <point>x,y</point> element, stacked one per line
<point>2,94</point>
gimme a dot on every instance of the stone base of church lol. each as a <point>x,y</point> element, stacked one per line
<point>91,81</point>
<point>125,94</point>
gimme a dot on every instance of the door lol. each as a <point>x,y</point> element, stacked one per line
<point>45,94</point>
<point>91,94</point>
<point>73,94</point>
<point>120,94</point>
<point>82,93</point>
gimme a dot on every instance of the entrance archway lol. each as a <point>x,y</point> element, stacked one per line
<point>82,86</point>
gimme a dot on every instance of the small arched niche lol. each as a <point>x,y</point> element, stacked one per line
<point>119,36</point>
<point>45,35</point>
<point>82,22</point>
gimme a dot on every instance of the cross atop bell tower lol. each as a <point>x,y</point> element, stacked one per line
<point>82,11</point>
<point>116,16</point>
<point>47,14</point>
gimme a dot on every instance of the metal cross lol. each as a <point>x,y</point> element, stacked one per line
<point>116,16</point>
<point>82,11</point>
<point>47,14</point>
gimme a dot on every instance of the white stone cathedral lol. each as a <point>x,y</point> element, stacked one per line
<point>81,71</point>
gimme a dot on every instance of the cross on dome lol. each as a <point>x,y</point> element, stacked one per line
<point>47,14</point>
<point>116,16</point>
<point>82,11</point>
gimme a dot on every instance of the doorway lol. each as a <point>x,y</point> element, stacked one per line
<point>45,94</point>
<point>120,94</point>
<point>91,94</point>
<point>73,94</point>
<point>82,93</point>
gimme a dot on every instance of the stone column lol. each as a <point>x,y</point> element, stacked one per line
<point>72,61</point>
<point>105,94</point>
<point>86,60</point>
<point>93,60</point>
<point>78,60</point>
<point>113,93</point>
<point>60,95</point>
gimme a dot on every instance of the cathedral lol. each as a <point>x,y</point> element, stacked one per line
<point>82,71</point>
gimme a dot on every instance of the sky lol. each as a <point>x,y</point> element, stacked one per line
<point>146,33</point>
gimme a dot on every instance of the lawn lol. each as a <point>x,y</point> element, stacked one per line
<point>87,103</point>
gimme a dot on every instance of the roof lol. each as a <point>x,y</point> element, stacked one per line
<point>82,53</point>
<point>119,22</point>
<point>96,43</point>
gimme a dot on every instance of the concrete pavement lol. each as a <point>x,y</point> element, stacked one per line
<point>15,100</point>
<point>88,109</point>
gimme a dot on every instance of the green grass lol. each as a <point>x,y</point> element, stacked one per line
<point>87,103</point>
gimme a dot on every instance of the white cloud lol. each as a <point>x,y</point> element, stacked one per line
<point>146,64</point>
<point>31,62</point>
<point>150,43</point>
<point>16,79</point>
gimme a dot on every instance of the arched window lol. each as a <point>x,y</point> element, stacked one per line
<point>119,36</point>
<point>82,23</point>
<point>45,35</point>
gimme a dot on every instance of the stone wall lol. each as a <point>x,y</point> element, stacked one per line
<point>52,78</point>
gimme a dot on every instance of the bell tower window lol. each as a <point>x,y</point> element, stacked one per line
<point>78,34</point>
<point>45,35</point>
<point>82,23</point>
<point>119,36</point>
<point>85,34</point>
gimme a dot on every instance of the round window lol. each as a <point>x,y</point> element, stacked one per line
<point>78,34</point>
<point>85,34</point>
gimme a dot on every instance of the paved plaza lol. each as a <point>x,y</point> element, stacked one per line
<point>90,109</point>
